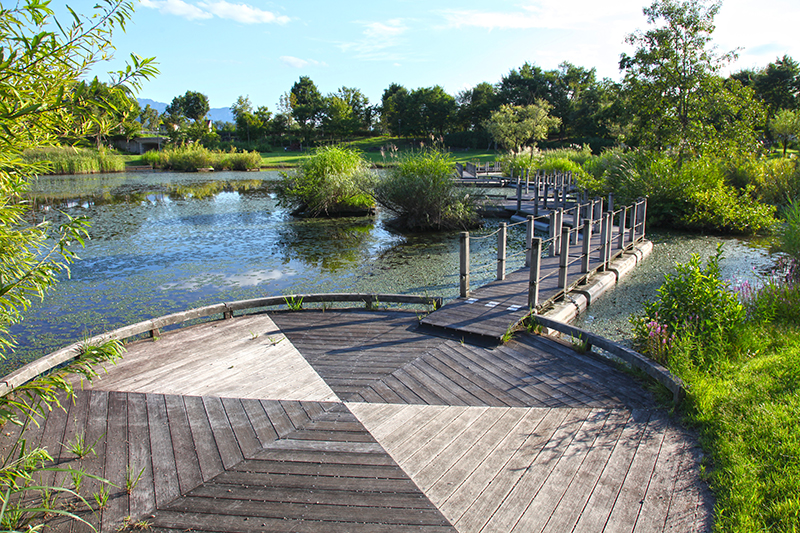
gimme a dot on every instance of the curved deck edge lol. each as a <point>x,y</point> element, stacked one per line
<point>55,359</point>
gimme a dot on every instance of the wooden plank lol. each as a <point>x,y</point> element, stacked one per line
<point>186,462</point>
<point>165,478</point>
<point>203,437</point>
<point>259,421</point>
<point>229,450</point>
<point>96,433</point>
<point>242,429</point>
<point>141,498</point>
<point>115,463</point>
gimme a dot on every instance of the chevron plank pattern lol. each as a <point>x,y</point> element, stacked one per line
<point>355,421</point>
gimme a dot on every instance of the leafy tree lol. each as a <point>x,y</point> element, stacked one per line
<point>529,84</point>
<point>786,126</point>
<point>476,105</point>
<point>515,127</point>
<point>306,102</point>
<point>669,77</point>
<point>192,105</point>
<point>104,112</point>
<point>435,110</point>
<point>150,118</point>
<point>43,87</point>
<point>394,108</point>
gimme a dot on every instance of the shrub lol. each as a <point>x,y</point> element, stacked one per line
<point>695,308</point>
<point>422,194</point>
<point>234,160</point>
<point>333,181</point>
<point>723,209</point>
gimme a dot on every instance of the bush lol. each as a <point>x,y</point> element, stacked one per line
<point>723,209</point>
<point>334,181</point>
<point>421,192</point>
<point>695,315</point>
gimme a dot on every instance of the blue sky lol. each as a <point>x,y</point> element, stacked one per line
<point>259,48</point>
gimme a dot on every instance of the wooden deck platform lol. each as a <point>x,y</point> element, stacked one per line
<point>356,421</point>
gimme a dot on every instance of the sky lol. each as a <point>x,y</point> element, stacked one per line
<point>260,48</point>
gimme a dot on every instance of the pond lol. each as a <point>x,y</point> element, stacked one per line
<point>166,242</point>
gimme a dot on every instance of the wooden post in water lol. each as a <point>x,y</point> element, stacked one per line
<point>587,246</point>
<point>464,285</point>
<point>563,263</point>
<point>529,231</point>
<point>501,252</point>
<point>533,283</point>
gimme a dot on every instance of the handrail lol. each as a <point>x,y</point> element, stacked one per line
<point>653,369</point>
<point>153,326</point>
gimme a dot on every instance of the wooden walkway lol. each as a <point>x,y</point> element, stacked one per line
<point>356,421</point>
<point>499,306</point>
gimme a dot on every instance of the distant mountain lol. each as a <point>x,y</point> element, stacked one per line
<point>216,114</point>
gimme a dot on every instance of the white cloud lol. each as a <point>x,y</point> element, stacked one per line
<point>378,37</point>
<point>296,62</point>
<point>544,14</point>
<point>177,7</point>
<point>242,13</point>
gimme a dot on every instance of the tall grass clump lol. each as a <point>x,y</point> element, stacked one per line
<point>334,181</point>
<point>737,349</point>
<point>72,160</point>
<point>233,160</point>
<point>422,194</point>
<point>187,158</point>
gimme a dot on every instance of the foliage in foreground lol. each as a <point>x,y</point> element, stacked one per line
<point>334,181</point>
<point>739,356</point>
<point>421,193</point>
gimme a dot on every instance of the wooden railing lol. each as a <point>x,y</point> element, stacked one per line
<point>631,357</point>
<point>585,222</point>
<point>153,327</point>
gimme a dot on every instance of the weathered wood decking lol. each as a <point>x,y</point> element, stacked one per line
<point>356,421</point>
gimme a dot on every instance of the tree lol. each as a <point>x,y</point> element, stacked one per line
<point>105,111</point>
<point>515,127</point>
<point>394,107</point>
<point>150,118</point>
<point>786,126</point>
<point>43,70</point>
<point>670,74</point>
<point>192,105</point>
<point>476,105</point>
<point>306,102</point>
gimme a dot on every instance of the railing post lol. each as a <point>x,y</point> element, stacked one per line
<point>611,202</point>
<point>587,246</point>
<point>464,286</point>
<point>644,216</point>
<point>551,233</point>
<point>529,232</point>
<point>546,191</point>
<point>634,220</point>
<point>603,241</point>
<point>563,263</point>
<point>576,222</point>
<point>536,196</point>
<point>623,216</point>
<point>501,252</point>
<point>533,283</point>
<point>559,225</point>
<point>609,234</point>
<point>519,194</point>
<point>527,181</point>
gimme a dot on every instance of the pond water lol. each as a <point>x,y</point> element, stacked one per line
<point>166,242</point>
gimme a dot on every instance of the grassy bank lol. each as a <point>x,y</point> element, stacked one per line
<point>738,351</point>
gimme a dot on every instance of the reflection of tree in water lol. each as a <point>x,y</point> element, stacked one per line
<point>330,244</point>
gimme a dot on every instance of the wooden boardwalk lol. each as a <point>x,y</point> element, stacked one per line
<point>357,421</point>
